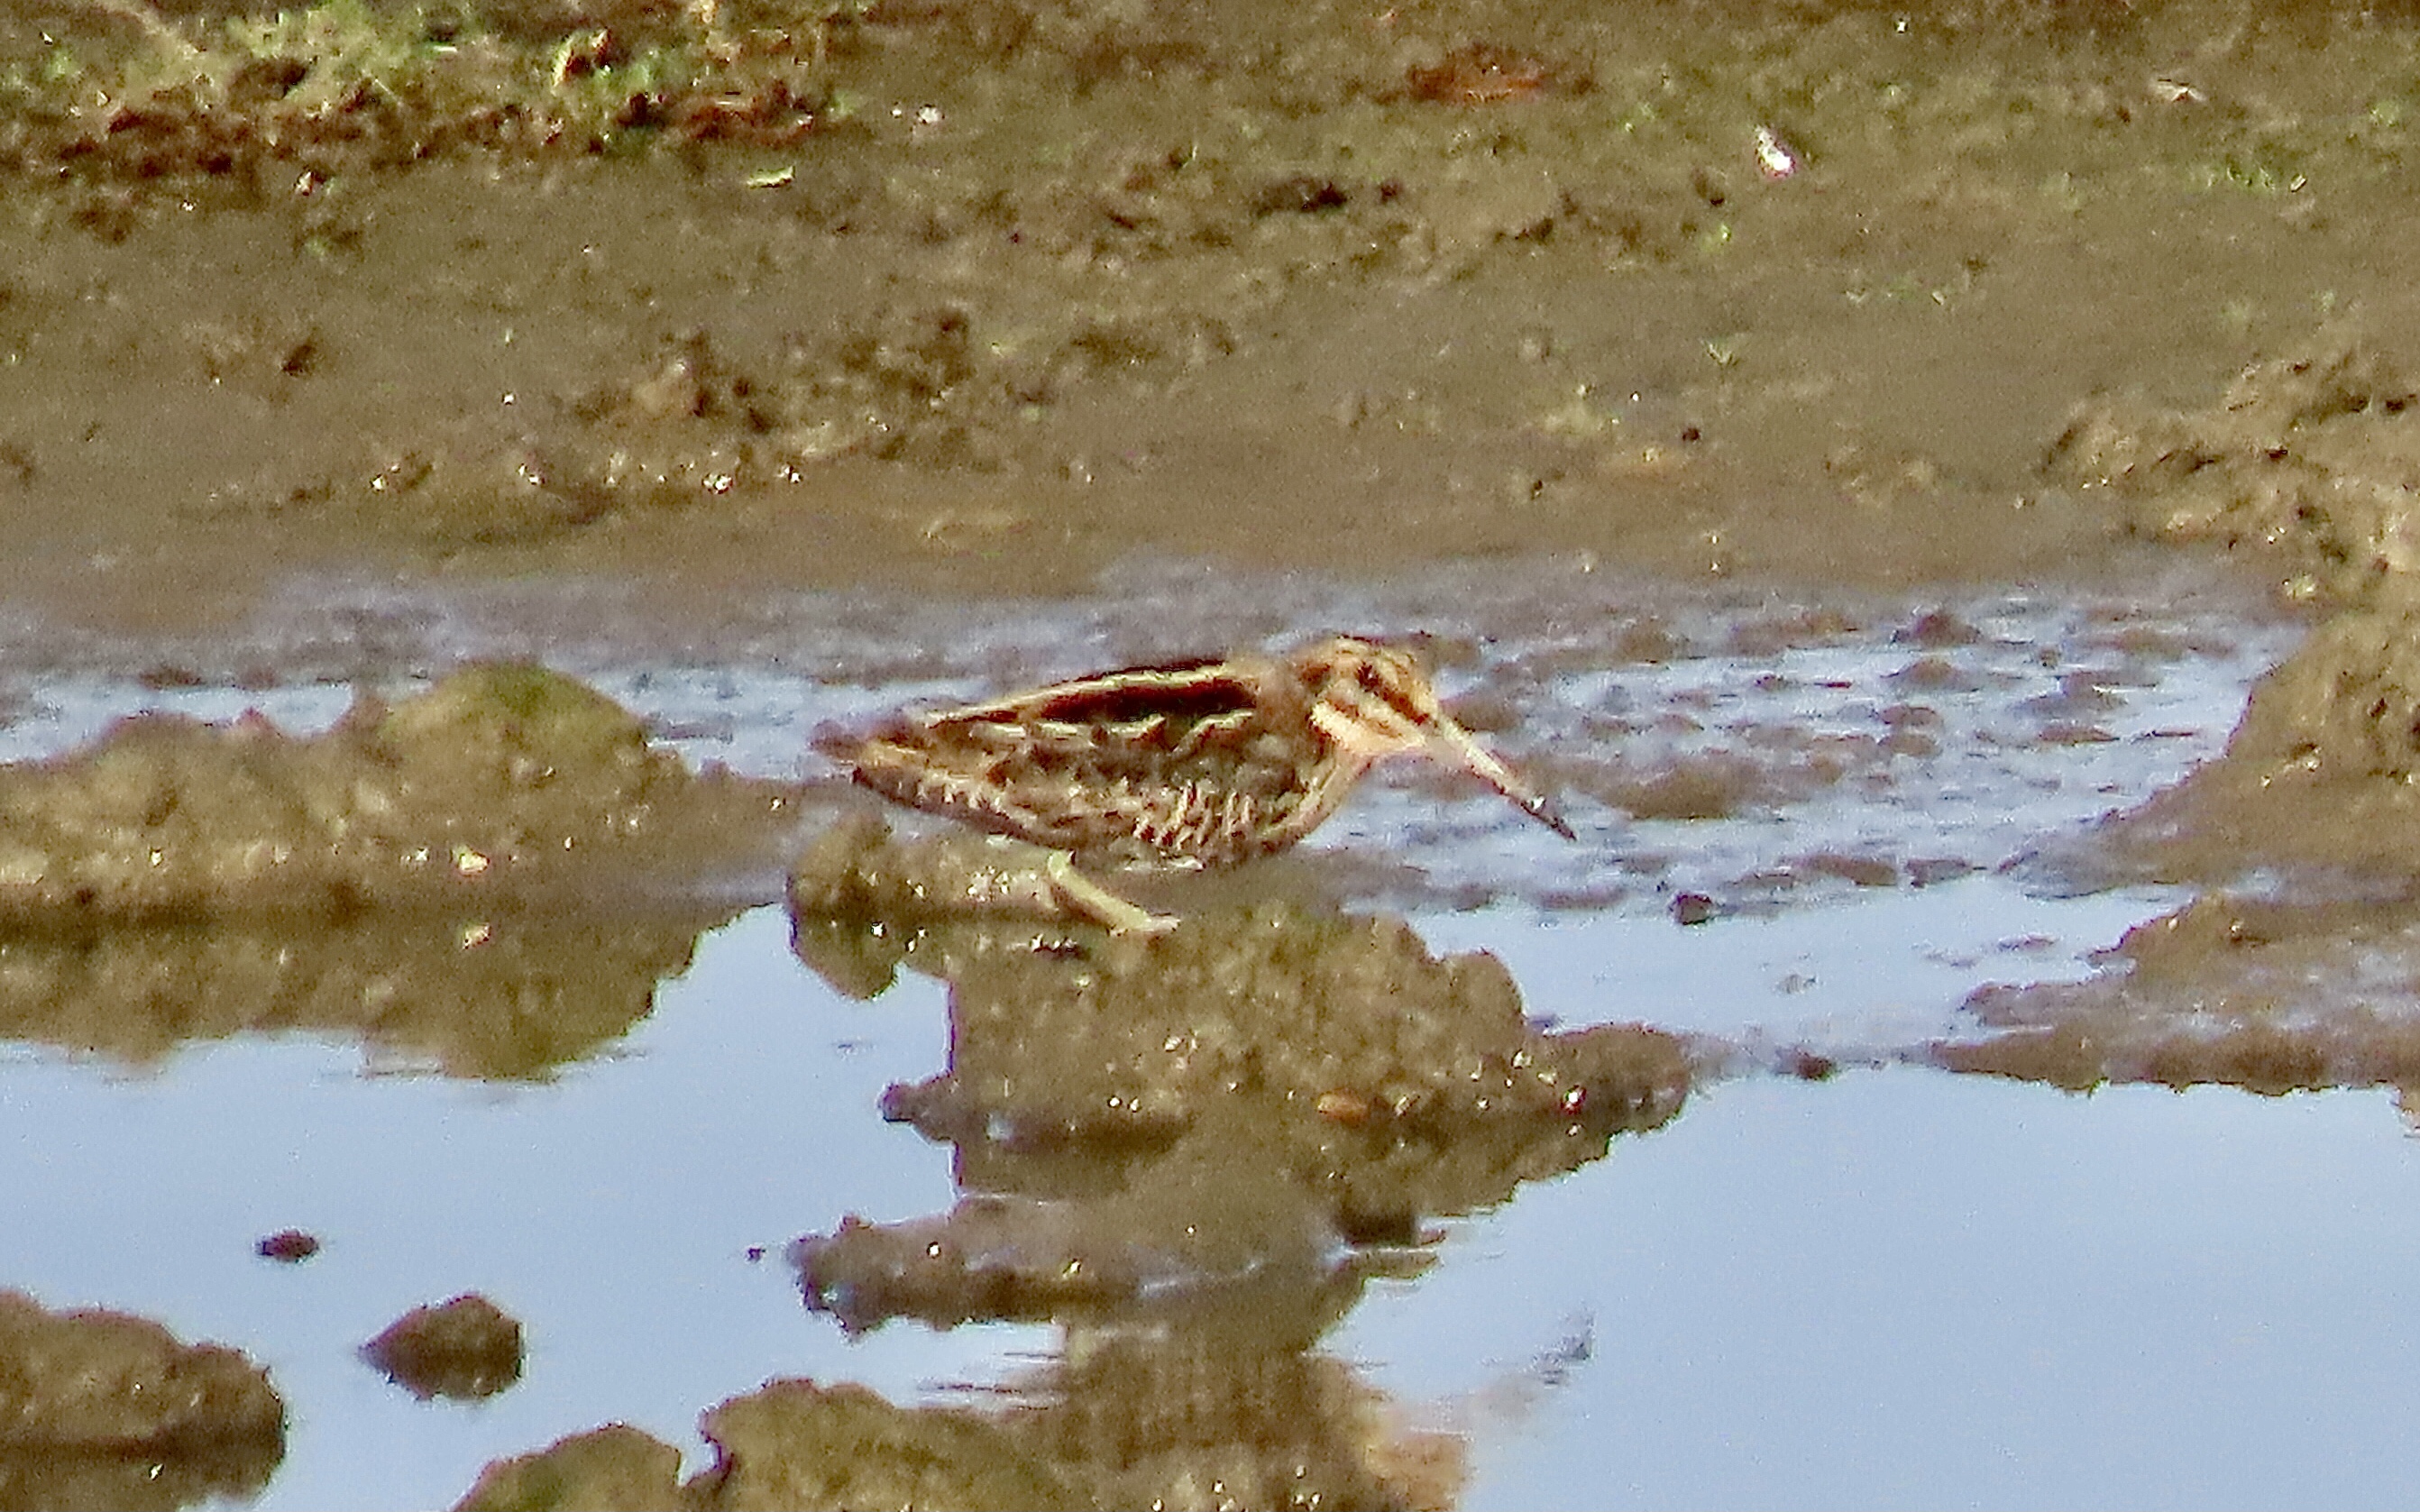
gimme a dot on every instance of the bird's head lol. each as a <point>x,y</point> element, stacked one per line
<point>1372,701</point>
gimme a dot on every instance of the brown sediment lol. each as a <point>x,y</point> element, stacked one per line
<point>467,1348</point>
<point>2270,996</point>
<point>716,295</point>
<point>1228,1397</point>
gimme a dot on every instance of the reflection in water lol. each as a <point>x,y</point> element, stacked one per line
<point>102,1409</point>
<point>1188,1151</point>
<point>494,995</point>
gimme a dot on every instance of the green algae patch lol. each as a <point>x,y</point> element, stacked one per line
<point>500,783</point>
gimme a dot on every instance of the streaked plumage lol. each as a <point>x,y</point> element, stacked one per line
<point>1196,764</point>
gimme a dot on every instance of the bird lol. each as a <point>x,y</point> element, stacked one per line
<point>1184,765</point>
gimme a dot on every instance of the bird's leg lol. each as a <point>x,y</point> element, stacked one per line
<point>1084,896</point>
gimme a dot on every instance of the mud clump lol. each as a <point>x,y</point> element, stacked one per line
<point>467,1349</point>
<point>105,1409</point>
<point>1220,1211</point>
<point>2314,459</point>
<point>613,1469</point>
<point>2323,770</point>
<point>287,1246</point>
<point>1145,1417</point>
<point>792,1444</point>
<point>1260,1094</point>
<point>857,871</point>
<point>1348,1020</point>
<point>500,781</point>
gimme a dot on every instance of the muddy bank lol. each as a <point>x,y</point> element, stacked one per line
<point>987,300</point>
<point>2271,995</point>
<point>2285,972</point>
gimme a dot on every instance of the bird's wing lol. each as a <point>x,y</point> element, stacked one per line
<point>1131,761</point>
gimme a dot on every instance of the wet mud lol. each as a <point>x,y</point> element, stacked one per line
<point>727,302</point>
<point>1190,1402</point>
<point>499,781</point>
<point>1246,1097</point>
<point>467,1349</point>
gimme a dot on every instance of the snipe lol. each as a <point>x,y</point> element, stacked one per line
<point>1188,765</point>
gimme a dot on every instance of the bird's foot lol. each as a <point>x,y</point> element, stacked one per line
<point>1085,897</point>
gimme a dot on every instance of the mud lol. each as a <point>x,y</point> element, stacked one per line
<point>2305,463</point>
<point>467,1349</point>
<point>724,303</point>
<point>499,782</point>
<point>1344,292</point>
<point>102,1408</point>
<point>493,992</point>
<point>2273,997</point>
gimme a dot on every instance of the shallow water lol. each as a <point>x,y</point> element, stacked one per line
<point>1891,1286</point>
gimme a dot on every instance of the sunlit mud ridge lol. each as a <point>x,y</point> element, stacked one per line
<point>99,1409</point>
<point>500,782</point>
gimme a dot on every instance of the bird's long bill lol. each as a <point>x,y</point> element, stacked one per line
<point>1454,745</point>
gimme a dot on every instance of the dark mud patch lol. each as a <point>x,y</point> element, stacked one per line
<point>103,1409</point>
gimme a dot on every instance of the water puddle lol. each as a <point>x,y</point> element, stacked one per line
<point>1809,830</point>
